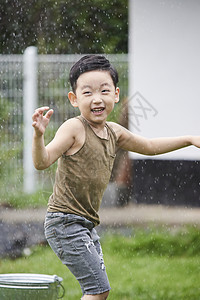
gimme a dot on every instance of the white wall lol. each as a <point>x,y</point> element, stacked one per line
<point>164,50</point>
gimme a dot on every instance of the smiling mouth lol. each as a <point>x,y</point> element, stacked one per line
<point>98,110</point>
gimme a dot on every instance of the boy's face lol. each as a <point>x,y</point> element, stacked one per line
<point>95,95</point>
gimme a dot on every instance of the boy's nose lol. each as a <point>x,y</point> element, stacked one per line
<point>97,99</point>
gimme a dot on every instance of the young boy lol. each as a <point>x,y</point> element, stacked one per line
<point>86,147</point>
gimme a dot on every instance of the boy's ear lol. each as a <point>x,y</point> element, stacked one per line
<point>117,91</point>
<point>73,99</point>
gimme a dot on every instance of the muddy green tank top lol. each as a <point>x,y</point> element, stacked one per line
<point>82,178</point>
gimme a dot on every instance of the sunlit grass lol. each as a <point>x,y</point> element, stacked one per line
<point>134,270</point>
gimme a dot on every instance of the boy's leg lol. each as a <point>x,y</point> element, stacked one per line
<point>102,296</point>
<point>77,245</point>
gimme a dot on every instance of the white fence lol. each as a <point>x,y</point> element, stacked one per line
<point>51,88</point>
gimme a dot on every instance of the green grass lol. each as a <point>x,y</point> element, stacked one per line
<point>23,200</point>
<point>148,264</point>
<point>154,265</point>
<point>12,194</point>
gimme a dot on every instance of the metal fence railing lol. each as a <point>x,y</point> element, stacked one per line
<point>11,122</point>
<point>52,89</point>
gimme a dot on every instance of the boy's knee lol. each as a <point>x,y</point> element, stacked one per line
<point>102,296</point>
<point>105,295</point>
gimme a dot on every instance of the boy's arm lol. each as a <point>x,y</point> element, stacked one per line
<point>135,143</point>
<point>44,156</point>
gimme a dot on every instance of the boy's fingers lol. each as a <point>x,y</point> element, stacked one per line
<point>34,116</point>
<point>34,124</point>
<point>41,110</point>
<point>49,114</point>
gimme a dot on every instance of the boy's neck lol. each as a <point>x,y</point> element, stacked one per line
<point>101,132</point>
<point>99,129</point>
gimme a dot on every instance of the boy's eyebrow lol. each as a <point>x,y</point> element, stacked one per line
<point>107,84</point>
<point>85,87</point>
<point>89,86</point>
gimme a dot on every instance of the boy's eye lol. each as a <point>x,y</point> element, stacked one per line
<point>86,93</point>
<point>105,91</point>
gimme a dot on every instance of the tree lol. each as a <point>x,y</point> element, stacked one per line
<point>64,26</point>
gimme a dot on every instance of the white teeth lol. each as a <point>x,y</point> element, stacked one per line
<point>97,109</point>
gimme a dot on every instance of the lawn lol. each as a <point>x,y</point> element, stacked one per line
<point>148,264</point>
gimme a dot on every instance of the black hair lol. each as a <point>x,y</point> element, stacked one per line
<point>90,63</point>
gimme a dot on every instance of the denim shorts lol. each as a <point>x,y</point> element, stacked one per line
<point>76,243</point>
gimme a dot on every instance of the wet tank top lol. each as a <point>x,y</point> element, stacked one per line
<point>82,178</point>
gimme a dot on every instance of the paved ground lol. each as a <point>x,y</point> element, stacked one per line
<point>112,216</point>
<point>21,229</point>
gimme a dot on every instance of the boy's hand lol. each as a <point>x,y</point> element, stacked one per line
<point>40,121</point>
<point>195,140</point>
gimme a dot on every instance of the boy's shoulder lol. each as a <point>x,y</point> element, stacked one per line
<point>115,127</point>
<point>119,130</point>
<point>75,122</point>
<point>112,124</point>
<point>73,125</point>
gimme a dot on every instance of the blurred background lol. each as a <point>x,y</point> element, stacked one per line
<point>150,212</point>
<point>60,31</point>
<point>153,44</point>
